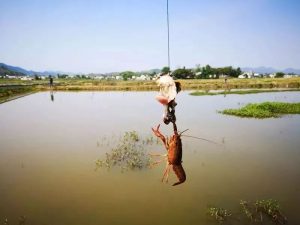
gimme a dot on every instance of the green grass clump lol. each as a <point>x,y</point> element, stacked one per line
<point>259,212</point>
<point>255,211</point>
<point>219,214</point>
<point>7,93</point>
<point>129,154</point>
<point>239,92</point>
<point>264,110</point>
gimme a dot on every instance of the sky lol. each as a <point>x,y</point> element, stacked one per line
<point>100,36</point>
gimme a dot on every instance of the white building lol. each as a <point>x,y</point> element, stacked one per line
<point>26,78</point>
<point>143,77</point>
<point>246,75</point>
<point>11,76</point>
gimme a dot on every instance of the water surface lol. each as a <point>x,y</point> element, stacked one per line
<point>48,148</point>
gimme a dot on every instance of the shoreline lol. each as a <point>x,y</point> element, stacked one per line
<point>10,90</point>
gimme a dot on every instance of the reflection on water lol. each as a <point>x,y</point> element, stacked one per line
<point>51,95</point>
<point>48,152</point>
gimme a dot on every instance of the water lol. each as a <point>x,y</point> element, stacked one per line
<point>48,148</point>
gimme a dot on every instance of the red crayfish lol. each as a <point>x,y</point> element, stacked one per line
<point>173,146</point>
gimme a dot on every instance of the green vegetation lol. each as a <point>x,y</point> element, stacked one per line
<point>183,73</point>
<point>207,72</point>
<point>255,212</point>
<point>240,92</point>
<point>12,92</point>
<point>150,85</point>
<point>127,75</point>
<point>264,110</point>
<point>219,214</point>
<point>165,70</point>
<point>4,70</point>
<point>279,75</point>
<point>129,154</point>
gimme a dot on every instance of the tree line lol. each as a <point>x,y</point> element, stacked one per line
<point>205,72</point>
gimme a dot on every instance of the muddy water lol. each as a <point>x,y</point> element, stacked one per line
<point>48,148</point>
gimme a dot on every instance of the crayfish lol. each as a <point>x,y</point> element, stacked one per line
<point>173,146</point>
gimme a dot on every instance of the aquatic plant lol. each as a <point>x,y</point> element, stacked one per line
<point>130,153</point>
<point>264,110</point>
<point>240,92</point>
<point>219,214</point>
<point>255,211</point>
<point>271,208</point>
<point>248,210</point>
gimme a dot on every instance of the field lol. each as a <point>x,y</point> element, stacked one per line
<point>11,87</point>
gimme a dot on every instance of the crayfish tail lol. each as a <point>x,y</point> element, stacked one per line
<point>179,171</point>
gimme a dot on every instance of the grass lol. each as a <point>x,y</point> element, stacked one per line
<point>130,153</point>
<point>116,85</point>
<point>258,212</point>
<point>264,110</point>
<point>240,92</point>
<point>219,214</point>
<point>12,92</point>
<point>194,84</point>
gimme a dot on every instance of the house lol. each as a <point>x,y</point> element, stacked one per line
<point>272,75</point>
<point>246,75</point>
<point>11,76</point>
<point>26,78</point>
<point>289,76</point>
<point>99,77</point>
<point>242,76</point>
<point>198,74</point>
<point>143,77</point>
<point>257,75</point>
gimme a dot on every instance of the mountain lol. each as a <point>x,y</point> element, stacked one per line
<point>21,72</point>
<point>4,70</point>
<point>14,69</point>
<point>263,70</point>
<point>291,70</point>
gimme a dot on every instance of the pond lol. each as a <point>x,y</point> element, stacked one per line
<point>49,145</point>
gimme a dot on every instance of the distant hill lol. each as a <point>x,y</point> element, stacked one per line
<point>7,70</point>
<point>263,69</point>
<point>14,70</point>
<point>18,71</point>
<point>11,70</point>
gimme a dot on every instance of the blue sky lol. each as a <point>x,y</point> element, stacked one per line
<point>116,35</point>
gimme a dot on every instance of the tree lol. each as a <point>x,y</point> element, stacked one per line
<point>127,75</point>
<point>36,77</point>
<point>183,73</point>
<point>206,71</point>
<point>279,74</point>
<point>165,70</point>
<point>238,71</point>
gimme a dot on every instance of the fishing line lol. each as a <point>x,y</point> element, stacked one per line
<point>168,35</point>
